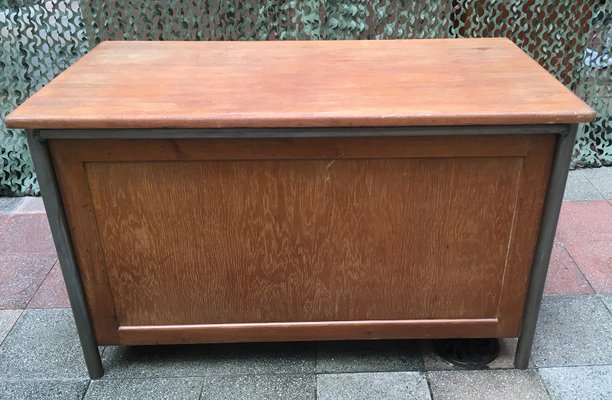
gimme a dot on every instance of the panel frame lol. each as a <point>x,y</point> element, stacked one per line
<point>79,303</point>
<point>73,156</point>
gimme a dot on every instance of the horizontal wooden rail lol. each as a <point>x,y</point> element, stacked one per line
<point>305,331</point>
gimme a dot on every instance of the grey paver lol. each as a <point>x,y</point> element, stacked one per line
<point>369,356</point>
<point>607,299</point>
<point>579,383</point>
<point>256,387</point>
<point>573,330</point>
<point>7,320</point>
<point>262,358</point>
<point>31,205</point>
<point>200,360</point>
<point>43,389</point>
<point>505,359</point>
<point>43,344</point>
<point>132,389</point>
<point>485,385</point>
<point>377,385</point>
<point>578,187</point>
<point>155,361</point>
<point>9,204</point>
<point>601,178</point>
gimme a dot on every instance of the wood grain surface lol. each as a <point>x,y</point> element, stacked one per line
<point>301,84</point>
<point>227,231</point>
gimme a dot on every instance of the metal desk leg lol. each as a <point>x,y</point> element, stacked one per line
<point>63,244</point>
<point>546,238</point>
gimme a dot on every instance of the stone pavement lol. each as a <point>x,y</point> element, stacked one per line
<point>40,357</point>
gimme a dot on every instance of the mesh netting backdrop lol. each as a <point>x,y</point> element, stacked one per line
<point>39,39</point>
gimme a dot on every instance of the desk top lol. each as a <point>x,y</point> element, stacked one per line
<point>301,84</point>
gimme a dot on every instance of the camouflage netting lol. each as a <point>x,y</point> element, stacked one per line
<point>38,39</point>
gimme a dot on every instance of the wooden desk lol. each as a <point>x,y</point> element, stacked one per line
<point>206,192</point>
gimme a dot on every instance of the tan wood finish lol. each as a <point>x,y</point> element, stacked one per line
<point>301,84</point>
<point>173,236</point>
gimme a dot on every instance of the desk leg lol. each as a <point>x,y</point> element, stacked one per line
<point>546,238</point>
<point>61,236</point>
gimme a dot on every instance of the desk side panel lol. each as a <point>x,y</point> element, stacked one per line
<point>188,233</point>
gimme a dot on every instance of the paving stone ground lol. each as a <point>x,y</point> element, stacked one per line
<point>40,356</point>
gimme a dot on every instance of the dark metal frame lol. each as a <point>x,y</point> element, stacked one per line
<point>61,237</point>
<point>289,133</point>
<point>546,238</point>
<point>566,135</point>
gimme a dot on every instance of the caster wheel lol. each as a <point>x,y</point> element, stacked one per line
<point>468,353</point>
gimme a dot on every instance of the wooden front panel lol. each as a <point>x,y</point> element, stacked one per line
<point>304,240</point>
<point>188,232</point>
